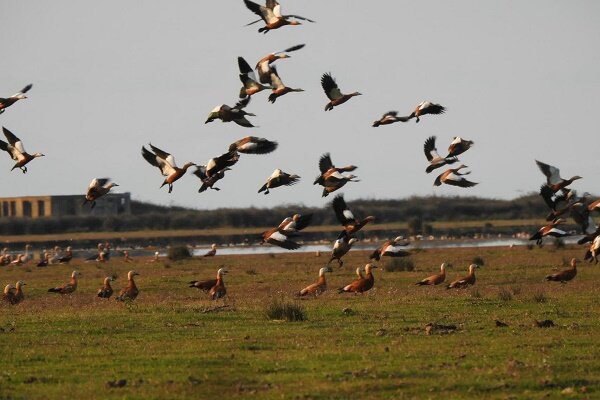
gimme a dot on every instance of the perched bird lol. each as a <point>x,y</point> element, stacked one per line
<point>332,91</point>
<point>17,152</point>
<point>553,179</point>
<point>253,145</point>
<point>434,279</point>
<point>548,230</point>
<point>22,258</point>
<point>425,107</point>
<point>359,272</point>
<point>67,288</point>
<point>66,257</point>
<point>566,275</point>
<point>279,238</point>
<point>435,160</point>
<point>235,114</point>
<point>45,259</point>
<point>97,188</point>
<point>361,285</point>
<point>332,178</point>
<point>279,178</point>
<point>594,250</point>
<point>344,215</point>
<point>166,163</point>
<point>212,252</point>
<point>279,89</point>
<point>129,292</point>
<point>453,177</point>
<point>458,146</point>
<point>250,83</point>
<point>391,248</point>
<point>19,296</point>
<point>218,290</point>
<point>9,101</point>
<point>342,245</point>
<point>8,295</point>
<point>318,287</point>
<point>295,223</point>
<point>106,290</point>
<point>208,284</point>
<point>263,66</point>
<point>270,13</point>
<point>389,118</point>
<point>469,279</point>
<point>209,181</point>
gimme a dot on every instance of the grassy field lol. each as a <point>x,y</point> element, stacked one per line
<point>209,232</point>
<point>174,343</point>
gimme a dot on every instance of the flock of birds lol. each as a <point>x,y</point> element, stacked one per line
<point>331,178</point>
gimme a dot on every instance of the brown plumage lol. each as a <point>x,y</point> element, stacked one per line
<point>253,145</point>
<point>295,223</point>
<point>435,160</point>
<point>19,296</point>
<point>263,66</point>
<point>389,118</point>
<point>270,13</point>
<point>14,147</point>
<point>344,215</point>
<point>434,279</point>
<point>218,290</point>
<point>566,275</point>
<point>318,287</point>
<point>469,279</point>
<point>332,177</point>
<point>548,230</point>
<point>342,245</point>
<point>279,178</point>
<point>6,102</point>
<point>250,84</point>
<point>332,91</point>
<point>458,146</point>
<point>130,292</point>
<point>165,162</point>
<point>212,252</point>
<point>454,177</point>
<point>106,290</point>
<point>279,88</point>
<point>391,248</point>
<point>67,288</point>
<point>279,238</point>
<point>8,295</point>
<point>205,285</point>
<point>425,107</point>
<point>553,179</point>
<point>361,285</point>
<point>97,188</point>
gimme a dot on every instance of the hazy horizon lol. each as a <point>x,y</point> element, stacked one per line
<point>519,79</point>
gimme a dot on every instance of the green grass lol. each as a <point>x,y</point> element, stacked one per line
<point>173,343</point>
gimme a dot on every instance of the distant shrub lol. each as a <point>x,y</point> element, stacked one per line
<point>280,310</point>
<point>177,253</point>
<point>505,294</point>
<point>540,297</point>
<point>478,260</point>
<point>400,264</point>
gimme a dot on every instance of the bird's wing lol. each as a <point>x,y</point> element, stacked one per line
<point>290,49</point>
<point>303,221</point>
<point>325,163</point>
<point>298,17</point>
<point>457,180</point>
<point>552,173</point>
<point>429,148</point>
<point>332,91</point>
<point>200,172</point>
<point>246,69</point>
<point>242,103</point>
<point>275,79</point>
<point>341,210</point>
<point>13,140</point>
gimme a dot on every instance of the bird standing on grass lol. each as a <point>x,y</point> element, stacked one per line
<point>67,288</point>
<point>129,292</point>
<point>566,275</point>
<point>106,290</point>
<point>361,285</point>
<point>318,287</point>
<point>434,279</point>
<point>464,282</point>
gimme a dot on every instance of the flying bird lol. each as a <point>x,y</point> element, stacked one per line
<point>458,146</point>
<point>263,66</point>
<point>295,223</point>
<point>332,178</point>
<point>434,279</point>
<point>424,108</point>
<point>165,162</point>
<point>332,91</point>
<point>279,178</point>
<point>250,83</point>
<point>236,113</point>
<point>553,179</point>
<point>594,250</point>
<point>389,118</point>
<point>318,287</point>
<point>361,285</point>
<point>253,145</point>
<point>548,230</point>
<point>435,160</point>
<point>347,219</point>
<point>209,181</point>
<point>9,101</point>
<point>270,13</point>
<point>279,89</point>
<point>464,282</point>
<point>566,275</point>
<point>17,152</point>
<point>454,177</point>
<point>341,247</point>
<point>280,238</point>
<point>97,188</point>
<point>129,292</point>
<point>391,248</point>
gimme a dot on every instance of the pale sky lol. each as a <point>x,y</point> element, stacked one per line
<point>519,78</point>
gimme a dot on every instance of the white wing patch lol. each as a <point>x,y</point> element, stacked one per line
<point>348,214</point>
<point>277,236</point>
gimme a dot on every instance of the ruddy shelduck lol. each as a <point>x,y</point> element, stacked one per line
<point>391,248</point>
<point>566,275</point>
<point>279,178</point>
<point>232,114</point>
<point>549,230</point>
<point>332,178</point>
<point>434,279</point>
<point>106,290</point>
<point>97,188</point>
<point>435,160</point>
<point>333,93</point>
<point>318,287</point>
<point>361,285</point>
<point>9,101</point>
<point>67,288</point>
<point>270,13</point>
<point>465,281</point>
<point>165,162</point>
<point>341,247</point>
<point>553,179</point>
<point>131,291</point>
<point>346,217</point>
<point>253,145</point>
<point>14,147</point>
<point>454,177</point>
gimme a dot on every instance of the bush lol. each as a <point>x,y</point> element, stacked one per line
<point>280,310</point>
<point>540,297</point>
<point>478,260</point>
<point>177,253</point>
<point>505,294</point>
<point>400,264</point>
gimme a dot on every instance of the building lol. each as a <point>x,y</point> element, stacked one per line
<point>61,206</point>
